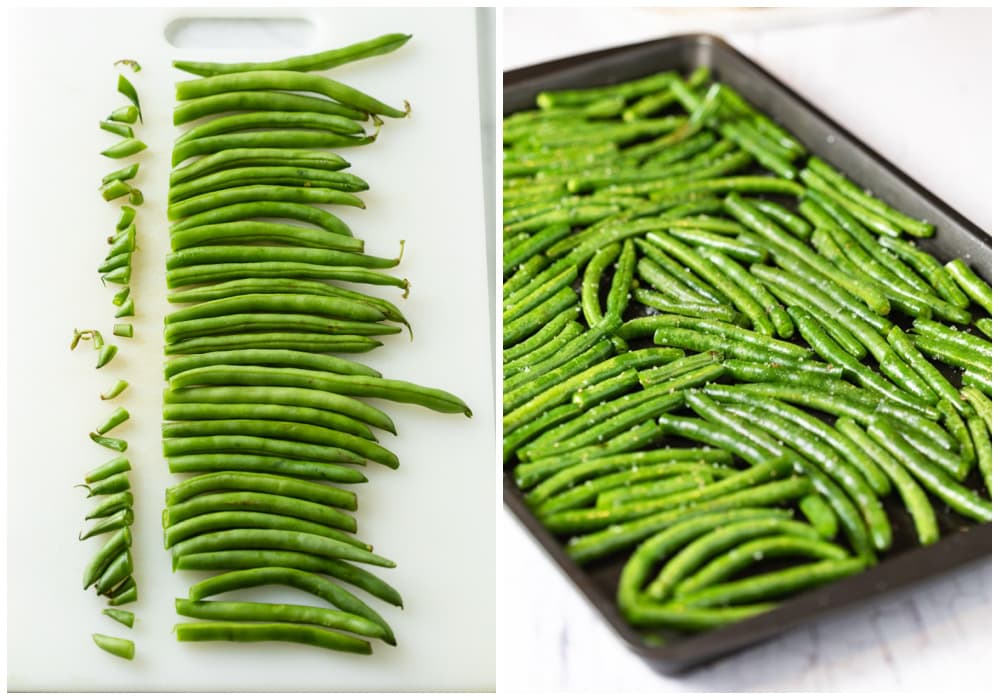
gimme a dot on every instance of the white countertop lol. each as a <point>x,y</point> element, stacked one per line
<point>914,85</point>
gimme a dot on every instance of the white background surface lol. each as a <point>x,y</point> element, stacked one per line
<point>914,85</point>
<point>425,187</point>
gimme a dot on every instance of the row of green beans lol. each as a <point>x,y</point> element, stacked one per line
<point>264,411</point>
<point>110,571</point>
<point>762,362</point>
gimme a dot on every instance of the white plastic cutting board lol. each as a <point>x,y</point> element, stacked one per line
<point>434,516</point>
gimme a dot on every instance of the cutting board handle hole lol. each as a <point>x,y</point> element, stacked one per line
<point>247,33</point>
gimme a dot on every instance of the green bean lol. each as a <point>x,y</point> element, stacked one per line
<point>110,443</point>
<point>126,173</point>
<point>263,483</point>
<point>124,148</point>
<point>688,559</point>
<point>386,43</point>
<point>314,304</point>
<point>115,465</point>
<point>279,358</point>
<point>740,183</point>
<point>594,545</point>
<point>621,283</point>
<point>290,138</point>
<point>284,396</point>
<point>126,218</point>
<point>231,520</point>
<point>119,541</point>
<point>978,379</point>
<point>820,515</point>
<point>258,502</point>
<point>262,322</point>
<point>746,251</point>
<point>247,101</point>
<point>125,648</point>
<point>928,267</point>
<point>119,569</point>
<point>255,558</point>
<point>123,330</point>
<point>953,465</point>
<point>111,505</point>
<point>973,285</point>
<point>250,411</point>
<point>951,353</point>
<point>659,374</point>
<point>701,291</point>
<point>985,326</point>
<point>523,387</point>
<point>116,483</point>
<point>177,447</point>
<point>116,521</point>
<point>214,462</point>
<point>662,303</point>
<point>628,90</point>
<point>667,151</point>
<point>691,474</point>
<point>115,189</point>
<point>264,209</point>
<point>843,185</point>
<point>956,496</point>
<point>650,490</point>
<point>269,632</point>
<point>287,81</point>
<point>781,216</point>
<point>806,373</point>
<point>984,450</point>
<point>126,115</point>
<point>125,593</point>
<point>124,617</point>
<point>304,342</point>
<point>209,254</point>
<point>117,129</point>
<point>119,416</point>
<point>273,118</point>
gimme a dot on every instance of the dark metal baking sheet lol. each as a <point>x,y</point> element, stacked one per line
<point>906,563</point>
